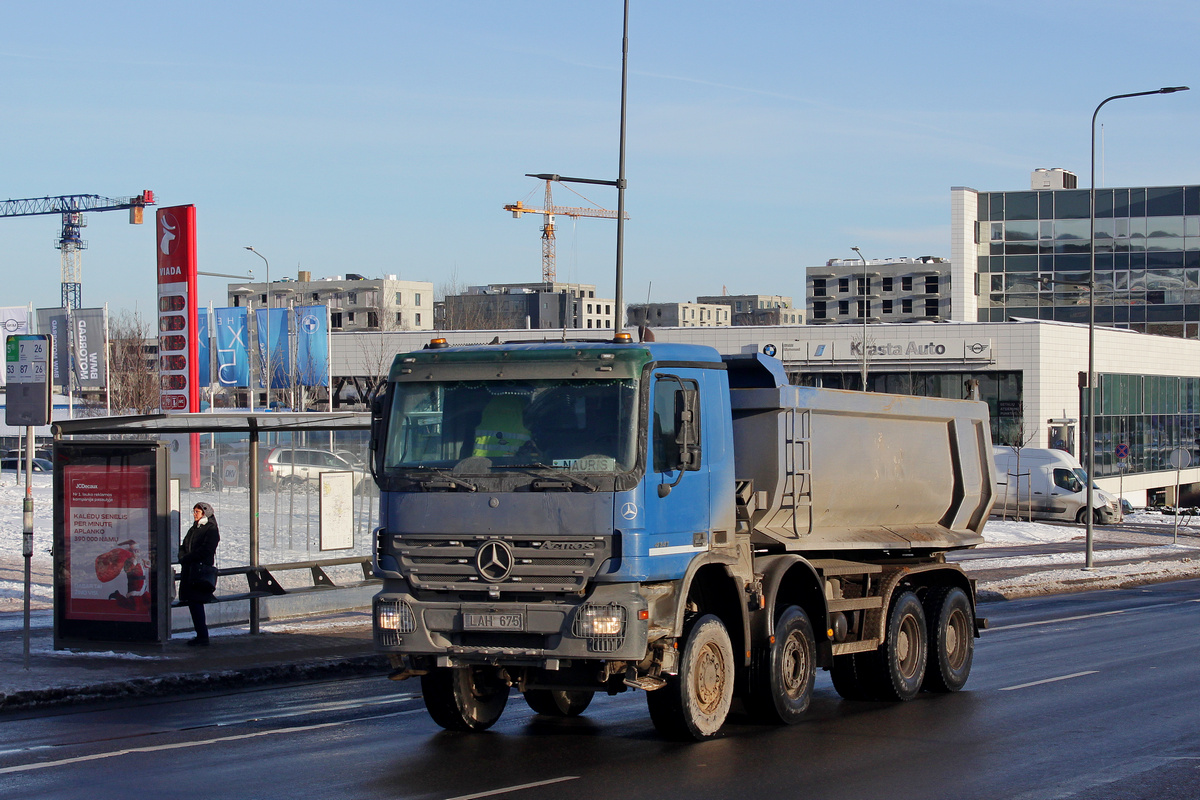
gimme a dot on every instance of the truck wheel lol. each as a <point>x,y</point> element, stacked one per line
<point>899,665</point>
<point>464,698</point>
<point>782,684</point>
<point>951,639</point>
<point>693,705</point>
<point>558,702</point>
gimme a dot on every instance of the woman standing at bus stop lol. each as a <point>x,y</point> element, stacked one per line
<point>198,578</point>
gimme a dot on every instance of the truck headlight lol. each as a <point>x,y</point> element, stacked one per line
<point>602,626</point>
<point>394,615</point>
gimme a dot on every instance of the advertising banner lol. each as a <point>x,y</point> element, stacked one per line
<point>312,345</point>
<point>178,345</point>
<point>203,368</point>
<point>54,322</point>
<point>89,327</point>
<point>14,320</point>
<point>107,542</point>
<point>232,342</point>
<point>280,347</point>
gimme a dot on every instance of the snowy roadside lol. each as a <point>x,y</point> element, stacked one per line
<point>1112,568</point>
<point>289,523</point>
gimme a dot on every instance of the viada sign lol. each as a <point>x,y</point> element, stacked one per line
<point>178,368</point>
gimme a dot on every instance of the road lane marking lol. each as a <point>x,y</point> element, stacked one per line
<point>1086,616</point>
<point>200,743</point>
<point>495,792</point>
<point>1050,680</point>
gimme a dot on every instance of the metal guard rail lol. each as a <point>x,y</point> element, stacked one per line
<point>261,583</point>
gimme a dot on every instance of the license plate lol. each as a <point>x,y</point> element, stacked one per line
<point>493,622</point>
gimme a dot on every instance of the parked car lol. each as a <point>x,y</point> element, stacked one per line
<point>18,465</point>
<point>44,453</point>
<point>354,459</point>
<point>285,464</point>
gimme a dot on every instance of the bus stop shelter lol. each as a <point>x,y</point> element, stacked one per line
<point>79,433</point>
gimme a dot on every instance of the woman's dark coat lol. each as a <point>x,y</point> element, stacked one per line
<point>199,546</point>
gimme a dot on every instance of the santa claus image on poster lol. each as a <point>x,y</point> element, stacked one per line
<point>125,560</point>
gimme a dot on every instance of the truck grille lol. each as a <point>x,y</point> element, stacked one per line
<point>481,563</point>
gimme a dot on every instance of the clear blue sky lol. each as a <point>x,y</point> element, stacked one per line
<point>763,137</point>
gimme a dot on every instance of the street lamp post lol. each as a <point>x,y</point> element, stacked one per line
<point>1090,419</point>
<point>865,303</point>
<point>267,364</point>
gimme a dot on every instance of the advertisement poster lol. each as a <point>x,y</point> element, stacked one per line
<point>107,539</point>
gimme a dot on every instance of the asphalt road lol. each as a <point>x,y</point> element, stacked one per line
<point>1093,695</point>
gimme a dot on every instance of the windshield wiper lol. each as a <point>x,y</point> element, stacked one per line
<point>449,479</point>
<point>577,481</point>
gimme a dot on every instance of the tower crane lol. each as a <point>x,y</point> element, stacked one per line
<point>548,212</point>
<point>70,243</point>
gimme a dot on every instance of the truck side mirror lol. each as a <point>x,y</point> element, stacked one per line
<point>379,406</point>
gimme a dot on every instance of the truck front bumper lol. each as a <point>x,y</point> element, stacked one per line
<point>610,624</point>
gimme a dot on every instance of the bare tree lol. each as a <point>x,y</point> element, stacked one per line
<point>1020,441</point>
<point>132,367</point>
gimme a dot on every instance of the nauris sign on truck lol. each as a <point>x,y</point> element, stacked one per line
<point>567,518</point>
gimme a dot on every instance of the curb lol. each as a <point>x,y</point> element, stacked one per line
<point>190,682</point>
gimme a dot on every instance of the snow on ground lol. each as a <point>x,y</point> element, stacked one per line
<point>1006,533</point>
<point>289,532</point>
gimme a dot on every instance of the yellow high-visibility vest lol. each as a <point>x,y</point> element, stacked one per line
<point>501,431</point>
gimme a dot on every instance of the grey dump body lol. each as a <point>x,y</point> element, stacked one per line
<point>827,470</point>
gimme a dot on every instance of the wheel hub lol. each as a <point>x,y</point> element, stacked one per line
<point>792,667</point>
<point>710,677</point>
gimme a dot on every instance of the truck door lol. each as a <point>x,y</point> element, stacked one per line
<point>677,485</point>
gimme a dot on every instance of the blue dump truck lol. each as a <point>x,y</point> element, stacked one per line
<point>566,518</point>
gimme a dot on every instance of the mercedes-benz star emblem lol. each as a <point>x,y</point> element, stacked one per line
<point>494,560</point>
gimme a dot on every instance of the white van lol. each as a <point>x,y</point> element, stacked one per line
<point>1050,484</point>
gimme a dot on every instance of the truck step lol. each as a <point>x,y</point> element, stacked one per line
<point>855,603</point>
<point>865,646</point>
<point>837,566</point>
<point>647,683</point>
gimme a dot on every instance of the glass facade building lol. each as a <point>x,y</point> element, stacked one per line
<point>1033,255</point>
<point>1152,416</point>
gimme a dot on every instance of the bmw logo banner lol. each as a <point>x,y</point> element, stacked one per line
<point>312,345</point>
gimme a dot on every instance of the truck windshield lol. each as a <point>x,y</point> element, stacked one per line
<point>481,427</point>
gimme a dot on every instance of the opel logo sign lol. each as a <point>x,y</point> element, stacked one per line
<point>494,560</point>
